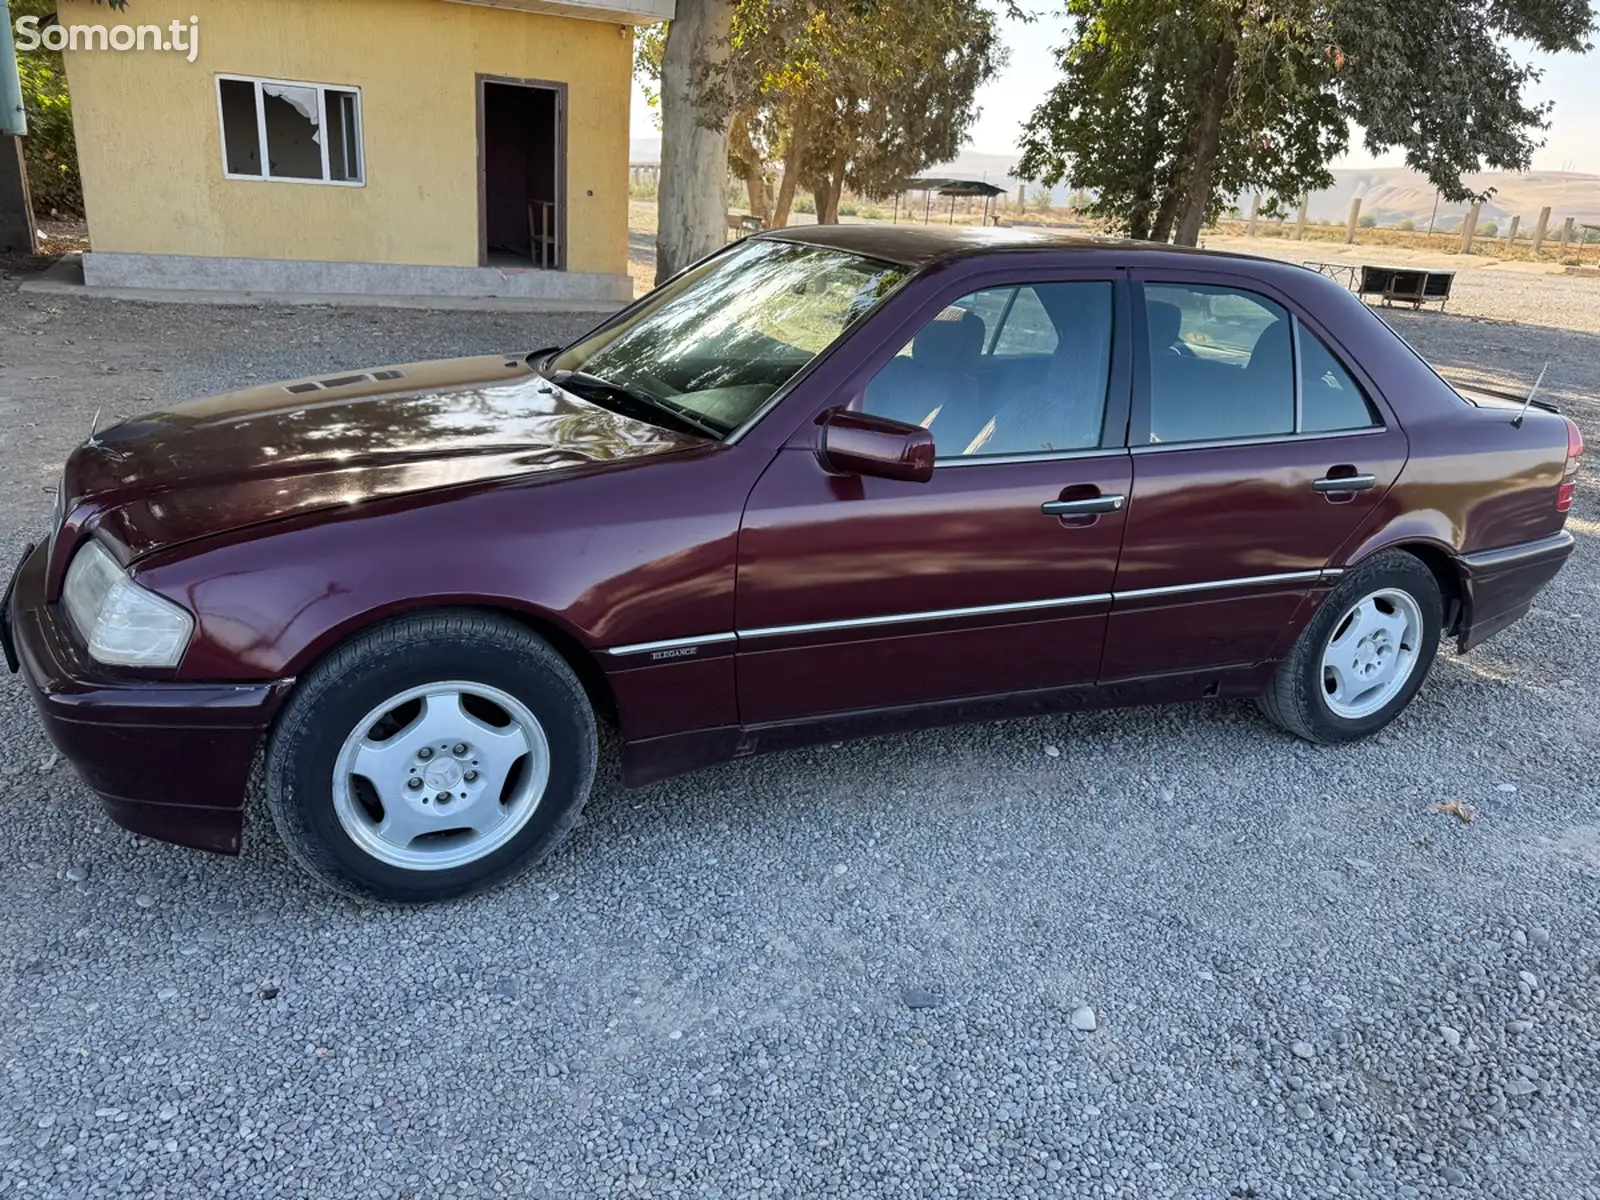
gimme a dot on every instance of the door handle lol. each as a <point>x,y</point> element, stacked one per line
<point>1078,508</point>
<point>1345,483</point>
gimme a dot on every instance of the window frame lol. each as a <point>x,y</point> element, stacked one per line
<point>1139,417</point>
<point>1114,426</point>
<point>322,90</point>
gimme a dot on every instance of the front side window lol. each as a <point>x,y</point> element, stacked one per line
<point>305,132</point>
<point>1003,371</point>
<point>716,343</point>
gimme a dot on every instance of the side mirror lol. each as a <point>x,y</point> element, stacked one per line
<point>857,443</point>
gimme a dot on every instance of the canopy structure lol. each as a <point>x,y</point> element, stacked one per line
<point>953,188</point>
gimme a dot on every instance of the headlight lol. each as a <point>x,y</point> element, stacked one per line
<point>124,624</point>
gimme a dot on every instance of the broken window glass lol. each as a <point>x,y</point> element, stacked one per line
<point>294,131</point>
<point>301,131</point>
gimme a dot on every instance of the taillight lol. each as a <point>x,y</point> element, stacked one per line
<point>1569,477</point>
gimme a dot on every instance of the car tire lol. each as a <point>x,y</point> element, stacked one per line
<point>1363,654</point>
<point>419,723</point>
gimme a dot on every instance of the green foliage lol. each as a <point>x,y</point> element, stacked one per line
<point>858,95</point>
<point>1368,222</point>
<point>848,208</point>
<point>1488,229</point>
<point>1406,225</point>
<point>50,150</point>
<point>1164,110</point>
<point>804,204</point>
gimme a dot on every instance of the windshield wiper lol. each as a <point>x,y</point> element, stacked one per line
<point>637,398</point>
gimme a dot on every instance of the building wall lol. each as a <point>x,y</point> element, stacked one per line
<point>151,151</point>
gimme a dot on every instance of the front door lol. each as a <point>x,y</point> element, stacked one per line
<point>995,576</point>
<point>1257,451</point>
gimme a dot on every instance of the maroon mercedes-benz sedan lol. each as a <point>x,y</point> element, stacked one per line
<point>827,482</point>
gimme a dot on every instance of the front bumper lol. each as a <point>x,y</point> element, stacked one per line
<point>168,760</point>
<point>1500,585</point>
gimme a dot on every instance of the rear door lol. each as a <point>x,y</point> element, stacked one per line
<point>1258,447</point>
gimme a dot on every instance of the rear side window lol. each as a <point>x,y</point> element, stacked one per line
<point>1228,364</point>
<point>1221,364</point>
<point>1329,399</point>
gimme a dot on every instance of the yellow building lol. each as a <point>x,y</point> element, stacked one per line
<point>399,147</point>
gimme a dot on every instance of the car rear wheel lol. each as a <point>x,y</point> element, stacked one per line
<point>1363,655</point>
<point>431,757</point>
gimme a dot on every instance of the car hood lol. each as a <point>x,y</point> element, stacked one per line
<point>266,453</point>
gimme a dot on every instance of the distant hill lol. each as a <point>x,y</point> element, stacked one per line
<point>1391,194</point>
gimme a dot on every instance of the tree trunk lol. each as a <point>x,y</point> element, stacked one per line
<point>1161,231</point>
<point>794,161</point>
<point>754,170</point>
<point>833,188</point>
<point>1197,197</point>
<point>692,206</point>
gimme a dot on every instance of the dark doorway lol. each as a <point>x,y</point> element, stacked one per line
<point>521,186</point>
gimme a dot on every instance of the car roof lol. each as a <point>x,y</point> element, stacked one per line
<point>921,245</point>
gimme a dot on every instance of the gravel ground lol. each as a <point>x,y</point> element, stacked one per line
<point>1150,953</point>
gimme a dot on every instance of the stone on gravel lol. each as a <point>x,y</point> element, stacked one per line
<point>77,874</point>
<point>1303,1050</point>
<point>915,998</point>
<point>1083,1019</point>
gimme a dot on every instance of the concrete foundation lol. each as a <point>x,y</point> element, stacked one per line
<point>266,276</point>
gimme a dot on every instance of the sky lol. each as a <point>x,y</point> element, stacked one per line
<point>1573,82</point>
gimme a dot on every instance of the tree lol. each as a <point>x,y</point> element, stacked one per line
<point>691,205</point>
<point>1165,111</point>
<point>843,93</point>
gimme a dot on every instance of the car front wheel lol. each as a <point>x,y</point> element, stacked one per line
<point>431,757</point>
<point>1363,655</point>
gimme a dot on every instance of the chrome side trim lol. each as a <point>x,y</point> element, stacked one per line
<point>1557,545</point>
<point>980,610</point>
<point>1218,584</point>
<point>937,614</point>
<point>991,460</point>
<point>1266,439</point>
<point>709,639</point>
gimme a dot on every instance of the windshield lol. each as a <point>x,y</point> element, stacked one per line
<point>715,343</point>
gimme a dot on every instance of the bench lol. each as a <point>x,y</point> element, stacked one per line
<point>1408,285</point>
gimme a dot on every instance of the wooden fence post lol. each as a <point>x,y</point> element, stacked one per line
<point>1350,226</point>
<point>1540,229</point>
<point>1255,208</point>
<point>1511,235</point>
<point>1566,234</point>
<point>1469,227</point>
<point>1300,221</point>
